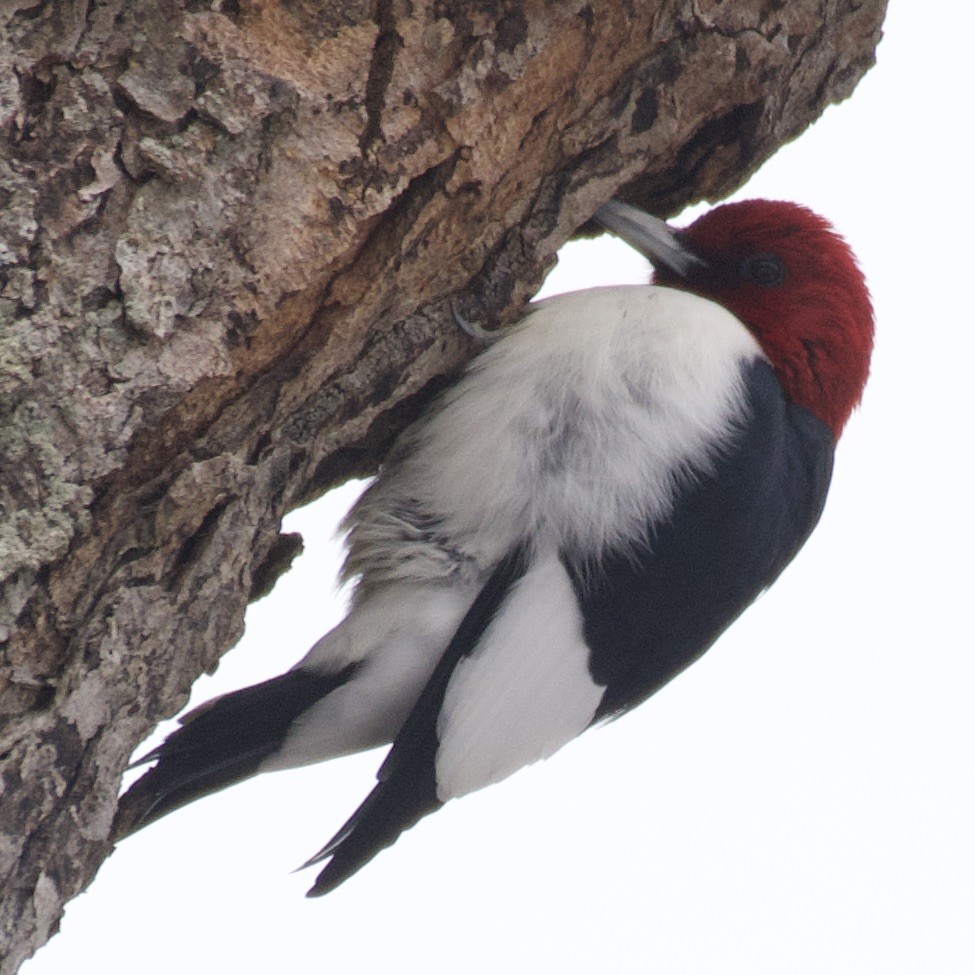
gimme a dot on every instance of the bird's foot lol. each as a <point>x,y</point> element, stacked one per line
<point>475,331</point>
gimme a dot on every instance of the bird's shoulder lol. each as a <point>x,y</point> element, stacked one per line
<point>655,605</point>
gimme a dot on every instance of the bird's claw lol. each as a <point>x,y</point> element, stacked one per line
<point>474,331</point>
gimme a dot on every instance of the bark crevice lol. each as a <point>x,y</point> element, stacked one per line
<point>231,239</point>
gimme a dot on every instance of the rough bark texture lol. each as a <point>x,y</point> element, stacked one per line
<point>230,234</point>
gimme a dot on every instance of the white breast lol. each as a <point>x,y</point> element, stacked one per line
<point>573,429</point>
<point>571,432</point>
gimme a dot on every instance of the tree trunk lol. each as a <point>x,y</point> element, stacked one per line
<point>231,238</point>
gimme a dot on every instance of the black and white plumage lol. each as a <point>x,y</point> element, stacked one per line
<point>568,527</point>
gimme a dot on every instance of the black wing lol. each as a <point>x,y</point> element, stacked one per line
<point>652,611</point>
<point>407,789</point>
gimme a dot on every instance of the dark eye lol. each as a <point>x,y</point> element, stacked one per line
<point>766,270</point>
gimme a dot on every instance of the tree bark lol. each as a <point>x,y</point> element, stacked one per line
<point>231,238</point>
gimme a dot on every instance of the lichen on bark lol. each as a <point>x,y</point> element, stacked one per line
<point>231,235</point>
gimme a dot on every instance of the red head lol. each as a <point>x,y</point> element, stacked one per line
<point>786,274</point>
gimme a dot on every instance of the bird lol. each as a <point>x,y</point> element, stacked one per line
<point>610,483</point>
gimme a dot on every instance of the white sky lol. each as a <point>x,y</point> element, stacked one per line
<point>799,801</point>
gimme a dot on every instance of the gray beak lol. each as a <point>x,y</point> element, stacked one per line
<point>649,235</point>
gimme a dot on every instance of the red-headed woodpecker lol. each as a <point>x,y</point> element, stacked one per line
<point>573,523</point>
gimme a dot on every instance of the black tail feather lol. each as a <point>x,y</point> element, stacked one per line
<point>221,743</point>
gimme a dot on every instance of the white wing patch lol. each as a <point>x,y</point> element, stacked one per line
<point>524,693</point>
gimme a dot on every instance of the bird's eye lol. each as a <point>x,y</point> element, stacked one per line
<point>766,270</point>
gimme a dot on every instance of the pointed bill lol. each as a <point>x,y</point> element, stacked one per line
<point>651,236</point>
